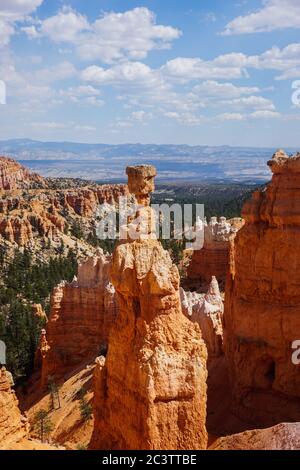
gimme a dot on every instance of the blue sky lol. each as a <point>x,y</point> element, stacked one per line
<point>195,72</point>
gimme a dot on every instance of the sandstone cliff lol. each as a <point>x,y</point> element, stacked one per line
<point>44,215</point>
<point>150,391</point>
<point>13,426</point>
<point>262,300</point>
<point>15,176</point>
<point>206,310</point>
<point>82,313</point>
<point>212,259</point>
<point>284,436</point>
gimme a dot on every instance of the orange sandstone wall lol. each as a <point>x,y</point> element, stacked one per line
<point>262,313</point>
<point>212,259</point>
<point>13,426</point>
<point>80,320</point>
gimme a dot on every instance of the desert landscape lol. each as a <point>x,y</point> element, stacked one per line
<point>149,224</point>
<point>205,368</point>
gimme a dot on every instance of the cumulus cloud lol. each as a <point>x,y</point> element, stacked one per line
<point>60,71</point>
<point>83,94</point>
<point>65,26</point>
<point>18,8</point>
<point>261,114</point>
<point>6,31</point>
<point>12,11</point>
<point>250,102</point>
<point>274,15</point>
<point>211,88</point>
<point>184,69</point>
<point>235,65</point>
<point>126,73</point>
<point>132,34</point>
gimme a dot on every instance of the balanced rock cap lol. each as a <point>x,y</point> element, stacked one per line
<point>141,170</point>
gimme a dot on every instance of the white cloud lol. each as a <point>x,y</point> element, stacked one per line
<point>53,125</point>
<point>61,71</point>
<point>6,31</point>
<point>132,34</point>
<point>18,8</point>
<point>265,114</point>
<point>30,31</point>
<point>235,65</point>
<point>65,26</point>
<point>230,117</point>
<point>274,15</point>
<point>126,73</point>
<point>140,115</point>
<point>261,114</point>
<point>85,128</point>
<point>184,69</point>
<point>82,90</point>
<point>250,102</point>
<point>49,125</point>
<point>84,94</point>
<point>12,11</point>
<point>213,89</point>
<point>185,118</point>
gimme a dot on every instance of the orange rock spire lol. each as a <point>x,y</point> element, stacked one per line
<point>150,391</point>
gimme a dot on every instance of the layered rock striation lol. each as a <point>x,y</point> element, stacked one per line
<point>206,310</point>
<point>262,300</point>
<point>284,436</point>
<point>212,259</point>
<point>81,316</point>
<point>46,212</point>
<point>150,390</point>
<point>13,426</point>
<point>15,176</point>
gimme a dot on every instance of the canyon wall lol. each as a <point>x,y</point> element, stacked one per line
<point>150,390</point>
<point>48,214</point>
<point>46,211</point>
<point>206,310</point>
<point>262,318</point>
<point>212,259</point>
<point>284,436</point>
<point>13,426</point>
<point>82,313</point>
<point>15,176</point>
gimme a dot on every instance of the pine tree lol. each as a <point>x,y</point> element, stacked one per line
<point>43,424</point>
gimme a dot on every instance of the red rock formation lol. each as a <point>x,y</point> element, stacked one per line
<point>262,300</point>
<point>212,259</point>
<point>80,320</point>
<point>284,436</point>
<point>13,426</point>
<point>156,362</point>
<point>15,176</point>
<point>84,202</point>
<point>207,310</point>
<point>43,212</point>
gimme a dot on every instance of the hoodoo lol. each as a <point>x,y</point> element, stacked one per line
<point>13,426</point>
<point>212,259</point>
<point>150,390</point>
<point>262,300</point>
<point>82,313</point>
